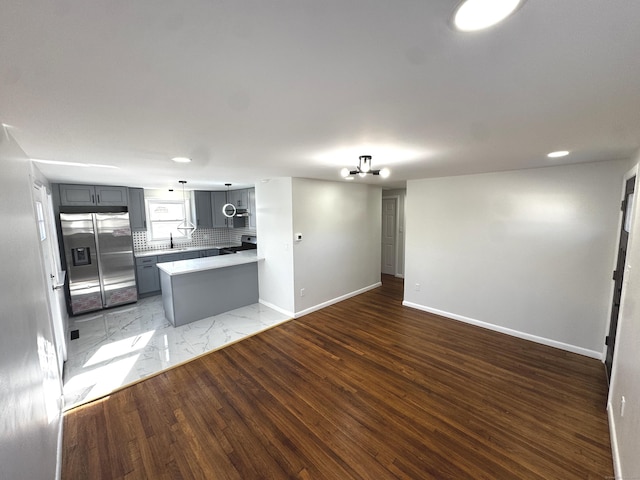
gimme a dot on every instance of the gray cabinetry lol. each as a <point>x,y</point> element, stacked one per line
<point>174,257</point>
<point>208,208</point>
<point>80,195</point>
<point>137,214</point>
<point>171,257</point>
<point>111,196</point>
<point>210,252</point>
<point>148,275</point>
<point>218,199</point>
<point>252,208</point>
<point>91,195</point>
<point>240,198</point>
<point>204,217</point>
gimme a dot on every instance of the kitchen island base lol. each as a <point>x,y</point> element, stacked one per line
<point>204,293</point>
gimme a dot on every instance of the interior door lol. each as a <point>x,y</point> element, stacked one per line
<point>618,274</point>
<point>389,214</point>
<point>52,273</point>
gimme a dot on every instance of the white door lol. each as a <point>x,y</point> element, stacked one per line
<point>51,265</point>
<point>389,215</point>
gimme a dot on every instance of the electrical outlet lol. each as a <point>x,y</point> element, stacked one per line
<point>623,402</point>
<point>417,287</point>
<point>302,292</point>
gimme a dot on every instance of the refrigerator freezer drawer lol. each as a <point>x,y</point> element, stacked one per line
<point>120,294</point>
<point>86,299</point>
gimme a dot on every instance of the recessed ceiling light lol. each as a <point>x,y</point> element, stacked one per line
<point>181,159</point>
<point>474,15</point>
<point>558,154</point>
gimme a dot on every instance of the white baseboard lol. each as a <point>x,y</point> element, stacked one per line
<point>615,453</point>
<point>515,333</point>
<point>320,306</point>
<point>399,275</point>
<point>276,308</point>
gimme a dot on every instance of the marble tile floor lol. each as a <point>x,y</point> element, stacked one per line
<point>122,345</point>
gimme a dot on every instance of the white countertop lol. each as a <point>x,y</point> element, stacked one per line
<point>182,267</point>
<point>167,251</point>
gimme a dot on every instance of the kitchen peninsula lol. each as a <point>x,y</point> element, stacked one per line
<point>202,287</point>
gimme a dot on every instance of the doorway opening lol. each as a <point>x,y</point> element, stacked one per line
<point>389,247</point>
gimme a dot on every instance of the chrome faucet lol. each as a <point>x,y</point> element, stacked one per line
<point>170,240</point>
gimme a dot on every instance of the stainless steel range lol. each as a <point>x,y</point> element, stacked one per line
<point>249,242</point>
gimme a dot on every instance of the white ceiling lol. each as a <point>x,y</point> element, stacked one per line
<point>263,88</point>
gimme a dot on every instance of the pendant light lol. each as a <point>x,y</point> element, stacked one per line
<point>186,227</point>
<point>228,209</point>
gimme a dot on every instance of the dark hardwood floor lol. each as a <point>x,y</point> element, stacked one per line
<point>365,389</point>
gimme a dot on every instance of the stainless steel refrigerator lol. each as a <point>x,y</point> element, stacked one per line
<point>100,265</point>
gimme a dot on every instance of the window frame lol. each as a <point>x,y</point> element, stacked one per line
<point>151,204</point>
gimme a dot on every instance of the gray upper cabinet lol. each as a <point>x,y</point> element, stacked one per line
<point>137,214</point>
<point>252,208</point>
<point>79,195</point>
<point>240,198</point>
<point>204,218</point>
<point>90,195</point>
<point>112,196</point>
<point>218,199</point>
<point>208,208</point>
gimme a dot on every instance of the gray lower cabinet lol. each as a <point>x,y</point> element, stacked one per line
<point>171,257</point>
<point>148,276</point>
<point>137,214</point>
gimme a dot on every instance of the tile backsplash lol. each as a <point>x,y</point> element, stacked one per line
<point>202,237</point>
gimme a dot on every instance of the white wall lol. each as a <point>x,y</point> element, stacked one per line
<point>400,240</point>
<point>339,255</point>
<point>274,229</point>
<point>526,252</point>
<point>625,381</point>
<point>30,388</point>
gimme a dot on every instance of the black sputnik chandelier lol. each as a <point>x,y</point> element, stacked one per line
<point>363,169</point>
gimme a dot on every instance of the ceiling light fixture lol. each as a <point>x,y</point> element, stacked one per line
<point>186,227</point>
<point>473,15</point>
<point>558,154</point>
<point>181,159</point>
<point>364,168</point>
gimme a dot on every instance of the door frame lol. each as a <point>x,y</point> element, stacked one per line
<point>396,220</point>
<point>631,173</point>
